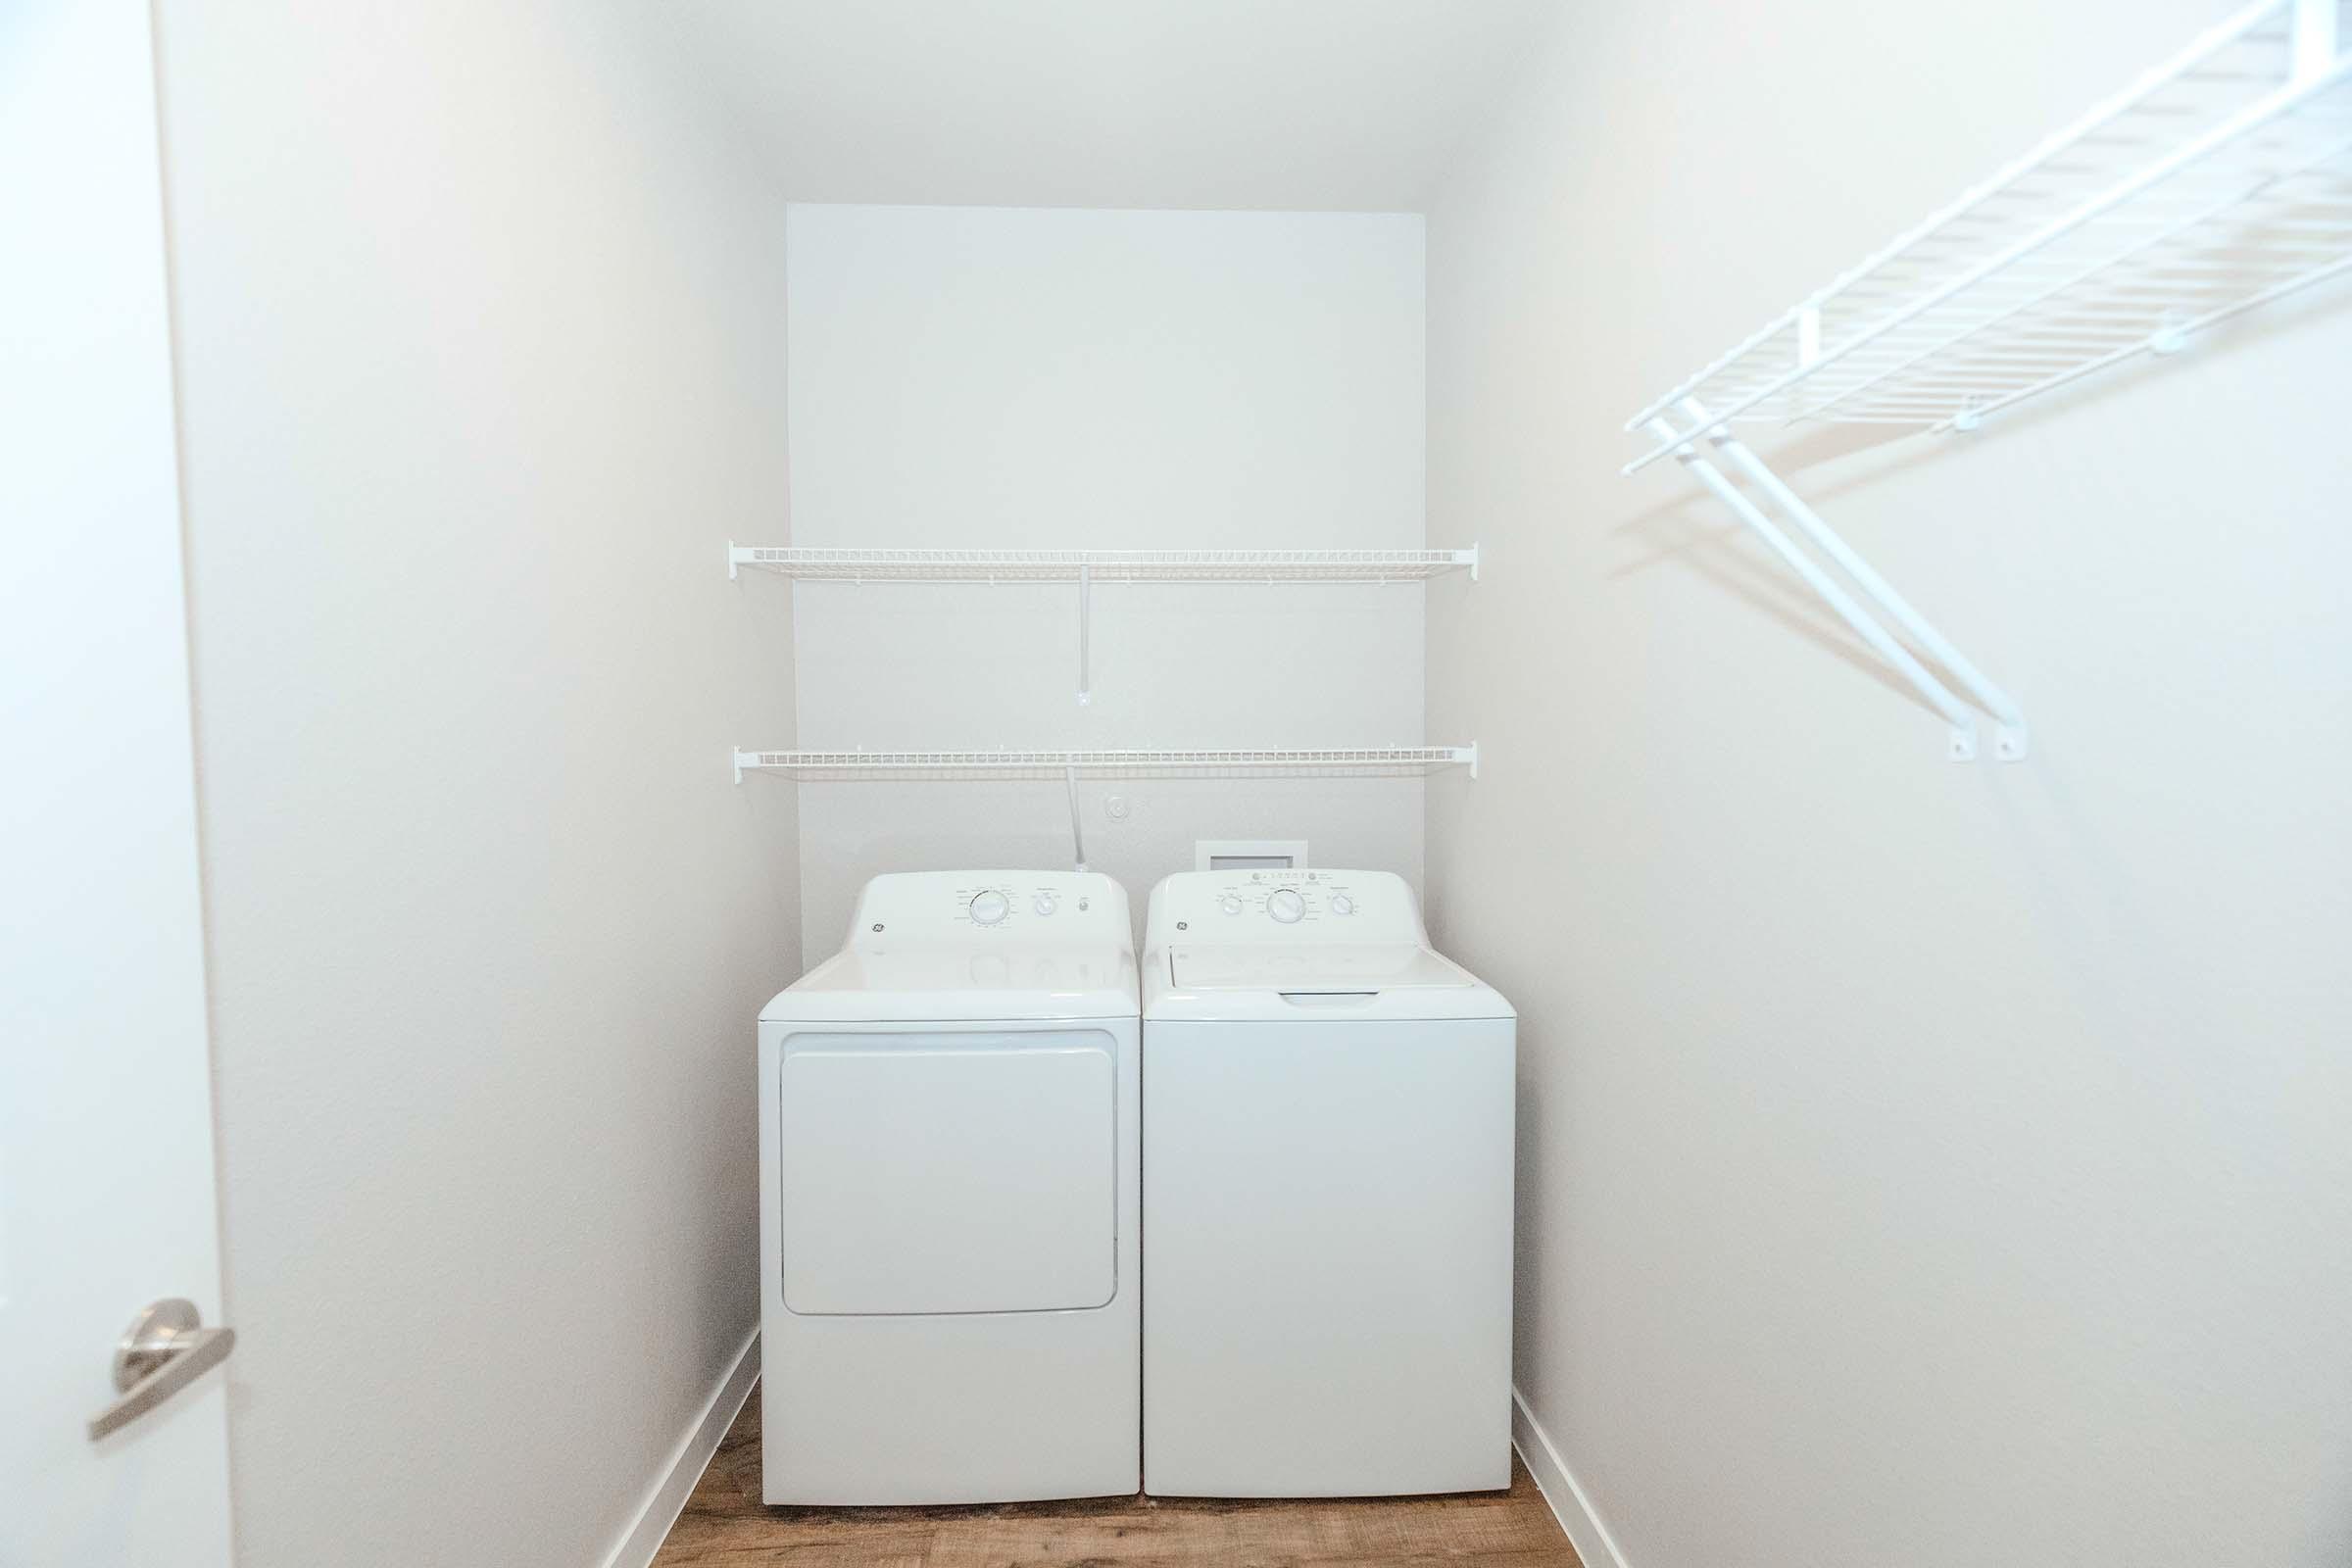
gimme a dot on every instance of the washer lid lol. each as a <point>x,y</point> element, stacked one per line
<point>929,984</point>
<point>1321,982</point>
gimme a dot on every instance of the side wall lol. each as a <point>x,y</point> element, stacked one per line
<point>1920,1164</point>
<point>482,357</point>
<point>1004,378</point>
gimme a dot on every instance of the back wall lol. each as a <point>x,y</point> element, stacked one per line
<point>1030,378</point>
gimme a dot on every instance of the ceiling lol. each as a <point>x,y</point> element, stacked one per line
<point>1350,105</point>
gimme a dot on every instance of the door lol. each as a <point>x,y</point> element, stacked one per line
<point>107,1198</point>
<point>950,1172</point>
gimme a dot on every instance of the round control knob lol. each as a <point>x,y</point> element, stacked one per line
<point>1342,903</point>
<point>1286,905</point>
<point>1230,904</point>
<point>991,907</point>
<point>1042,904</point>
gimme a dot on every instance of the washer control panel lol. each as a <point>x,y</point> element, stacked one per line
<point>1284,905</point>
<point>990,907</point>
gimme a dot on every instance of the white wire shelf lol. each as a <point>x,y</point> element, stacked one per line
<point>2218,182</point>
<point>812,564</point>
<point>1376,759</point>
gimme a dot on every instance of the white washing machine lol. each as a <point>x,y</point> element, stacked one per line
<point>1327,1199</point>
<point>949,1199</point>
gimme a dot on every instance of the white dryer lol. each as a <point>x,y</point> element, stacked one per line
<point>949,1199</point>
<point>1328,1121</point>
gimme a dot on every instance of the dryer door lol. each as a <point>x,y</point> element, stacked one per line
<point>949,1172</point>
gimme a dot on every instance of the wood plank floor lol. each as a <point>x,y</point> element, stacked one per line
<point>725,1524</point>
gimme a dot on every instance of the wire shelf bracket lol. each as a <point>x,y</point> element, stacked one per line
<point>2217,184</point>
<point>2013,738</point>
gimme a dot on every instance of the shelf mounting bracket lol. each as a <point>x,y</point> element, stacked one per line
<point>2012,738</point>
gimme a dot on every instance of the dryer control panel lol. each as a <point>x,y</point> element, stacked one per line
<point>986,907</point>
<point>1292,905</point>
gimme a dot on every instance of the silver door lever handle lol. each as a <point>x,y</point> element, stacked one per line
<point>166,1349</point>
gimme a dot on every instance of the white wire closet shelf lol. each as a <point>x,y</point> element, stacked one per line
<point>1102,566</point>
<point>2218,182</point>
<point>1297,760</point>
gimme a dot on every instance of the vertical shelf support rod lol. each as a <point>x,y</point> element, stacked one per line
<point>2012,741</point>
<point>1865,626</point>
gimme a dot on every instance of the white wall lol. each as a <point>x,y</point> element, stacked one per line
<point>482,357</point>
<point>1921,1164</point>
<point>1216,105</point>
<point>1005,378</point>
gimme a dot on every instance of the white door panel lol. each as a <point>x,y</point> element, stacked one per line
<point>105,1158</point>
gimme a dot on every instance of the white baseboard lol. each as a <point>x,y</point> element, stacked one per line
<point>692,1457</point>
<point>687,1461</point>
<point>1569,1504</point>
